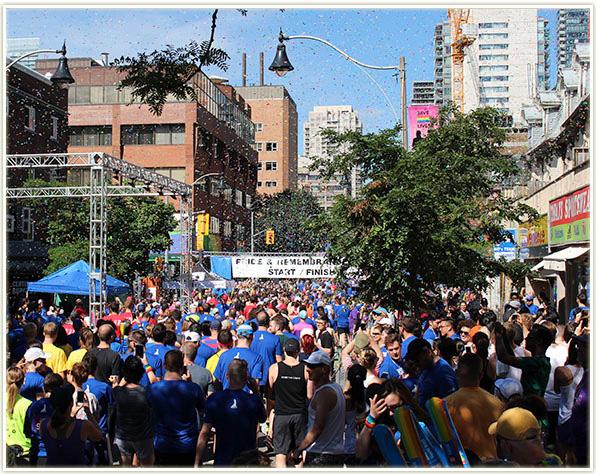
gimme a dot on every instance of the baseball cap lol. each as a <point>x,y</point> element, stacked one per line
<point>360,342</point>
<point>385,321</point>
<point>62,397</point>
<point>514,304</point>
<point>291,345</point>
<point>515,424</point>
<point>155,304</point>
<point>193,317</point>
<point>224,297</point>
<point>319,358</point>
<point>216,324</point>
<point>508,387</point>
<point>141,307</point>
<point>415,348</point>
<point>244,330</point>
<point>35,353</point>
<point>381,310</point>
<point>530,298</point>
<point>302,314</point>
<point>192,336</point>
<point>307,331</point>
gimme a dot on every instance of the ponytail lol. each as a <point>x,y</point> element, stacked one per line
<point>59,417</point>
<point>15,378</point>
<point>308,342</point>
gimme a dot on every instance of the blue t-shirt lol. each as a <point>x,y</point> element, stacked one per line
<point>438,381</point>
<point>204,352</point>
<point>253,359</point>
<point>533,308</point>
<point>154,361</point>
<point>206,317</point>
<point>289,334</point>
<point>430,335</point>
<point>174,404</point>
<point>571,316</point>
<point>103,393</point>
<point>234,414</point>
<point>455,336</point>
<point>341,311</point>
<point>33,384</point>
<point>390,368</point>
<point>158,350</point>
<point>36,412</point>
<point>268,346</point>
<point>405,344</point>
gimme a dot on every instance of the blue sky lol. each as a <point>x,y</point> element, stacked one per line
<point>321,76</point>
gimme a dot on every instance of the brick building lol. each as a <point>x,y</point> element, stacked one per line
<point>276,133</point>
<point>36,120</point>
<point>191,138</point>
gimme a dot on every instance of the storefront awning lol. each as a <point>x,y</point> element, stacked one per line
<point>557,260</point>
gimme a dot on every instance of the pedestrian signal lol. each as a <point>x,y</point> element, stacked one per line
<point>269,237</point>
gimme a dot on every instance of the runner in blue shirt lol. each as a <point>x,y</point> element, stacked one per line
<point>101,390</point>
<point>234,413</point>
<point>432,332</point>
<point>204,352</point>
<point>266,344</point>
<point>158,348</point>
<point>175,402</point>
<point>241,351</point>
<point>391,365</point>
<point>341,310</point>
<point>35,360</point>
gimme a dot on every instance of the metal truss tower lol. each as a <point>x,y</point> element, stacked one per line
<point>102,169</point>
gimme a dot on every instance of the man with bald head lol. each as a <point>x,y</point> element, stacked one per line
<point>108,360</point>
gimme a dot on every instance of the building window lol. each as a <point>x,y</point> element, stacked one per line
<point>494,100</point>
<point>27,224</point>
<point>271,184</point>
<point>258,146</point>
<point>271,146</point>
<point>259,184</point>
<point>227,194</point>
<point>214,225</point>
<point>213,187</point>
<point>490,57</point>
<point>493,46</point>
<point>258,127</point>
<point>493,78</point>
<point>271,165</point>
<point>493,36</point>
<point>162,134</point>
<point>54,135</point>
<point>179,173</point>
<point>498,67</point>
<point>238,197</point>
<point>30,117</point>
<point>259,166</point>
<point>227,229</point>
<point>91,136</point>
<point>494,89</point>
<point>493,25</point>
<point>10,223</point>
<point>248,201</point>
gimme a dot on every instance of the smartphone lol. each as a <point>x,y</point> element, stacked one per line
<point>80,397</point>
<point>468,349</point>
<point>139,350</point>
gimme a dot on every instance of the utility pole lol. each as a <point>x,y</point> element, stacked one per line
<point>403,102</point>
<point>252,230</point>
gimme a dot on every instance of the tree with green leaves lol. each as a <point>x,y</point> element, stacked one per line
<point>427,216</point>
<point>136,227</point>
<point>286,213</point>
<point>153,77</point>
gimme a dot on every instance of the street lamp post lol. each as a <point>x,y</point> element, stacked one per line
<point>281,65</point>
<point>62,77</point>
<point>221,186</point>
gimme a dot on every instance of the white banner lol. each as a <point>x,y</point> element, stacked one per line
<point>282,267</point>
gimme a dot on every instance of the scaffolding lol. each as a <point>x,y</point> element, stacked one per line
<point>103,168</point>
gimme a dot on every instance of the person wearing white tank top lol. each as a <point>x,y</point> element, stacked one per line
<point>324,441</point>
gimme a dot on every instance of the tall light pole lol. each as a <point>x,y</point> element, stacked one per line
<point>221,186</point>
<point>62,77</point>
<point>281,65</point>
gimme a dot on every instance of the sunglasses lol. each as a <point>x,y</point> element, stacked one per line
<point>465,332</point>
<point>376,334</point>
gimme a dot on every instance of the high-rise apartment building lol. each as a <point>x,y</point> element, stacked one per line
<point>442,77</point>
<point>543,75</point>
<point>423,93</point>
<point>17,47</point>
<point>191,138</point>
<point>573,27</point>
<point>502,66</point>
<point>340,118</point>
<point>276,134</point>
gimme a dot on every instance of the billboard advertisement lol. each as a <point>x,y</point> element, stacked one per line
<point>419,121</point>
<point>569,217</point>
<point>532,238</point>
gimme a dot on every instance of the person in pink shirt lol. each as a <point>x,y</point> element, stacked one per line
<point>302,324</point>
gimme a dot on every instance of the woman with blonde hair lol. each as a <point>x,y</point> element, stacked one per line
<point>16,411</point>
<point>368,358</point>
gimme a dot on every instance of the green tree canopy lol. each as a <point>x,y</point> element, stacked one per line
<point>426,217</point>
<point>286,213</point>
<point>136,226</point>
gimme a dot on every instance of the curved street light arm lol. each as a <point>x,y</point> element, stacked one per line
<point>204,176</point>
<point>382,91</point>
<point>284,38</point>
<point>58,51</point>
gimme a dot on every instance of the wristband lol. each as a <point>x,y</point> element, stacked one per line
<point>370,422</point>
<point>148,368</point>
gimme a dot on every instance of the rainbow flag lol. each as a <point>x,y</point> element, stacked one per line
<point>424,119</point>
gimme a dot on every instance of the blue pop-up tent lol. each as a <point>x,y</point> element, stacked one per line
<point>74,280</point>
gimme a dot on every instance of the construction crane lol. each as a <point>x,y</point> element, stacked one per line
<point>462,36</point>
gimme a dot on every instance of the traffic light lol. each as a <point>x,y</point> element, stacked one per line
<point>203,224</point>
<point>269,237</point>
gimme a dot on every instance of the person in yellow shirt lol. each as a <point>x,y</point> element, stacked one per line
<point>58,360</point>
<point>86,338</point>
<point>473,409</point>
<point>16,411</point>
<point>225,342</point>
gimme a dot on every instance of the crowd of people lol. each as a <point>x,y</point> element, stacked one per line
<point>299,370</point>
